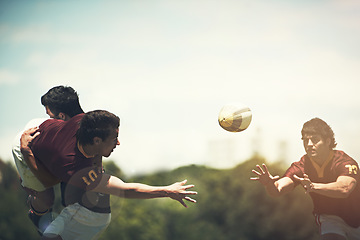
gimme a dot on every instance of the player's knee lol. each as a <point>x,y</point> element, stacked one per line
<point>47,197</point>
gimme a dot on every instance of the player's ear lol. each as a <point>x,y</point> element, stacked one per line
<point>97,140</point>
<point>62,116</point>
<point>328,142</point>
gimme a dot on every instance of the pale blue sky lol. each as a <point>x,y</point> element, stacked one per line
<point>167,67</point>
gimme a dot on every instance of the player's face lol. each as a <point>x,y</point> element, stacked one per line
<point>109,144</point>
<point>60,116</point>
<point>316,147</point>
<point>51,114</point>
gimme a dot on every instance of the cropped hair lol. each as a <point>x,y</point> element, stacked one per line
<point>62,99</point>
<point>98,123</point>
<point>319,127</point>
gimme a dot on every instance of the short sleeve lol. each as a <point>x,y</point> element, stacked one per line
<point>296,168</point>
<point>346,166</point>
<point>87,178</point>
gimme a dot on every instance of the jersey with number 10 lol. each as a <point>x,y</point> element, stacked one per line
<point>56,147</point>
<point>339,165</point>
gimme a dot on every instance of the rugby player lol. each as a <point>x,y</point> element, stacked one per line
<point>329,176</point>
<point>60,102</point>
<point>72,151</point>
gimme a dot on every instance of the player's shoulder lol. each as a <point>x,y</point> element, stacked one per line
<point>341,160</point>
<point>77,117</point>
<point>304,158</point>
<point>340,155</point>
<point>75,120</point>
<point>51,123</point>
<point>298,165</point>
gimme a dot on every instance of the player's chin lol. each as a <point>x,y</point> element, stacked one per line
<point>311,154</point>
<point>107,154</point>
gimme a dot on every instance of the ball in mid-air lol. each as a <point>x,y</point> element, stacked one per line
<point>235,117</point>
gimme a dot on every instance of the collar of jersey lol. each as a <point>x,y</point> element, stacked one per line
<point>320,169</point>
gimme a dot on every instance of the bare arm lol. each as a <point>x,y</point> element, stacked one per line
<point>280,187</point>
<point>115,186</point>
<point>36,167</point>
<point>342,188</point>
<point>274,185</point>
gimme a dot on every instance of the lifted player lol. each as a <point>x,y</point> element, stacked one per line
<point>60,102</point>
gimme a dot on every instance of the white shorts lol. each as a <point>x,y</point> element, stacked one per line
<point>335,224</point>
<point>76,222</point>
<point>28,178</point>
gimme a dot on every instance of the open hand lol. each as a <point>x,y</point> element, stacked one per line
<point>305,182</point>
<point>178,191</point>
<point>263,175</point>
<point>27,137</point>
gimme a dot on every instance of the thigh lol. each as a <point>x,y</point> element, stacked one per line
<point>332,227</point>
<point>28,178</point>
<point>79,231</point>
<point>69,226</point>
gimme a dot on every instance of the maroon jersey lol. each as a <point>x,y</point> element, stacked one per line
<point>339,165</point>
<point>56,147</point>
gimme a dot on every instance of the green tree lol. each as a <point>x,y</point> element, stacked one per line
<point>14,223</point>
<point>229,206</point>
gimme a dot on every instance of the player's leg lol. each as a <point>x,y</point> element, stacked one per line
<point>40,199</point>
<point>77,222</point>
<point>42,202</point>
<point>40,212</point>
<point>28,179</point>
<point>332,227</point>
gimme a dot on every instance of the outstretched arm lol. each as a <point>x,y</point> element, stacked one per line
<point>342,188</point>
<point>36,167</point>
<point>274,185</point>
<point>112,185</point>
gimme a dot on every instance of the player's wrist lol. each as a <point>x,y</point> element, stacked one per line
<point>170,192</point>
<point>311,187</point>
<point>26,151</point>
<point>268,183</point>
<point>162,191</point>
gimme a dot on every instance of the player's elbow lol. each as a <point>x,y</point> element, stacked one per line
<point>279,188</point>
<point>345,191</point>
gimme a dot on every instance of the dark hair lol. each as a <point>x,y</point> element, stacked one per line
<point>320,127</point>
<point>98,123</point>
<point>62,99</point>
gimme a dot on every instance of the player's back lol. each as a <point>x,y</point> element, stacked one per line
<point>56,146</point>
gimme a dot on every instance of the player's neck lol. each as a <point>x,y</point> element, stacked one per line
<point>320,160</point>
<point>85,151</point>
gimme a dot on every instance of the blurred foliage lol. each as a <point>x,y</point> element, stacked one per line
<point>229,206</point>
<point>14,223</point>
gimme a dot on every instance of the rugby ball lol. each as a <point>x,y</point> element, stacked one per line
<point>235,117</point>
